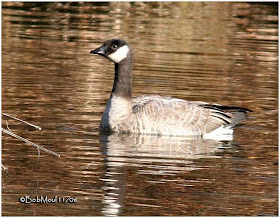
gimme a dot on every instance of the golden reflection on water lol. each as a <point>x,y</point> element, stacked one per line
<point>149,155</point>
<point>217,52</point>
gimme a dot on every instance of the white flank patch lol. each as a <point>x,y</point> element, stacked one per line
<point>120,54</point>
<point>221,133</point>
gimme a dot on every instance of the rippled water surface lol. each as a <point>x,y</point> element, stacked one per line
<point>215,52</point>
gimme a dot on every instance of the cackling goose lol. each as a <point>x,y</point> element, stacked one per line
<point>154,114</point>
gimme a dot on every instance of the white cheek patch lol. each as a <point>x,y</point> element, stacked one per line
<point>120,54</point>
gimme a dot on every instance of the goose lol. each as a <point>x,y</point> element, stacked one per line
<point>154,114</point>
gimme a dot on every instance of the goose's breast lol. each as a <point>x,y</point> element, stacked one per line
<point>117,112</point>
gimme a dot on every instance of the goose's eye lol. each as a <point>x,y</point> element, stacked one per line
<point>114,46</point>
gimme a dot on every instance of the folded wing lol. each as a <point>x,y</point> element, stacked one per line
<point>185,117</point>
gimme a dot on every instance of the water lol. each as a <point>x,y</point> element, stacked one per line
<point>216,52</point>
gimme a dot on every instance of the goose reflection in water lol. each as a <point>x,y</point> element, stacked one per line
<point>153,155</point>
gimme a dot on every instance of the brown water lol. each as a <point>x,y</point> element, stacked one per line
<point>215,52</point>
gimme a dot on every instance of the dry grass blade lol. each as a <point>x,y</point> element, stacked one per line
<point>15,118</point>
<point>29,142</point>
<point>5,169</point>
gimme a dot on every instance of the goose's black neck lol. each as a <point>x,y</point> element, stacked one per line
<point>123,78</point>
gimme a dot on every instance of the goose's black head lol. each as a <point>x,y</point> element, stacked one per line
<point>115,50</point>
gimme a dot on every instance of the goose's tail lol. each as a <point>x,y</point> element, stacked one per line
<point>239,114</point>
